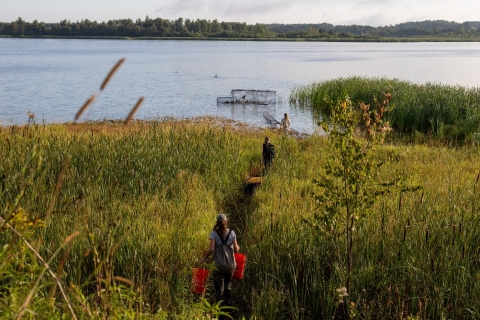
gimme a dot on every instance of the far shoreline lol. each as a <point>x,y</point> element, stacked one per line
<point>375,40</point>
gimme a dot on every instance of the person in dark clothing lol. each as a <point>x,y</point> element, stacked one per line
<point>268,153</point>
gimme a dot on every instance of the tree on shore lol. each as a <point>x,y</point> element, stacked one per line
<point>202,28</point>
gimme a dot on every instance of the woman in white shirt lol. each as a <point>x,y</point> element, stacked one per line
<point>285,123</point>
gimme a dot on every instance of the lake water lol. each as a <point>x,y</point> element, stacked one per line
<point>53,78</point>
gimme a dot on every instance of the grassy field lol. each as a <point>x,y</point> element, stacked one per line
<point>144,197</point>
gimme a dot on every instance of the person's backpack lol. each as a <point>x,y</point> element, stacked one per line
<point>271,150</point>
<point>223,255</point>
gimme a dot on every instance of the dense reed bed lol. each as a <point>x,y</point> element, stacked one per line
<point>151,189</point>
<point>443,111</point>
<point>415,256</point>
<point>144,197</point>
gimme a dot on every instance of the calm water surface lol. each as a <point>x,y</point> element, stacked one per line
<point>53,78</point>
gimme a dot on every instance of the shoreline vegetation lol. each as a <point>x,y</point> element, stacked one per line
<point>180,29</point>
<point>122,212</point>
<point>444,112</point>
<point>252,39</point>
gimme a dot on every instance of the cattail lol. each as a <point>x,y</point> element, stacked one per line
<point>112,72</point>
<point>421,198</point>
<point>84,107</point>
<point>132,113</point>
<point>426,237</point>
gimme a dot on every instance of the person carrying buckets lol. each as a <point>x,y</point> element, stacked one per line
<point>223,245</point>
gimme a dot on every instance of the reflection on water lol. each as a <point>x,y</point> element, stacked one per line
<point>53,78</point>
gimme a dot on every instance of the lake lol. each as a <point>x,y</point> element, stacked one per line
<point>52,78</point>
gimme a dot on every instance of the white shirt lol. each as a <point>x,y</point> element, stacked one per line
<point>285,123</point>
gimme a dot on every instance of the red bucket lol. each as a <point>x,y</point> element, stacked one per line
<point>199,280</point>
<point>240,259</point>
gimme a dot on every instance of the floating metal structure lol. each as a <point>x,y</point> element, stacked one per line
<point>243,96</point>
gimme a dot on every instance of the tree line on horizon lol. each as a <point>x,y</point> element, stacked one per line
<point>202,28</point>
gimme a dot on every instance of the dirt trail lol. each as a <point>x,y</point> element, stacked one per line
<point>238,209</point>
<point>240,205</point>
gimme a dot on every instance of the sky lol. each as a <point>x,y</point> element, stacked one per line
<point>338,12</point>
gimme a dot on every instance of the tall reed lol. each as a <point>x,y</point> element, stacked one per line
<point>444,111</point>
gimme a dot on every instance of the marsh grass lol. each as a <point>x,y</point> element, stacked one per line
<point>134,192</point>
<point>442,111</point>
<point>143,197</point>
<point>397,271</point>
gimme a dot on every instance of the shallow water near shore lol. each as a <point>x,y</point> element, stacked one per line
<point>52,78</point>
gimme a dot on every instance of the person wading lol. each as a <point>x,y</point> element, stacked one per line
<point>285,123</point>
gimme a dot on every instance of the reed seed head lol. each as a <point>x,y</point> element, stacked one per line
<point>123,280</point>
<point>111,73</point>
<point>85,106</point>
<point>132,113</point>
<point>71,237</point>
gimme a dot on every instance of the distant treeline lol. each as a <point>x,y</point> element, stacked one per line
<point>437,28</point>
<point>214,29</point>
<point>139,28</point>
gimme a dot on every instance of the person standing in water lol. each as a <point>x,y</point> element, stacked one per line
<point>285,123</point>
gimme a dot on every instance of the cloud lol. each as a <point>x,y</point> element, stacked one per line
<point>363,12</point>
<point>238,10</point>
<point>371,12</point>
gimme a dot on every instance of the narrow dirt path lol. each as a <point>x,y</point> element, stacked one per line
<point>238,209</point>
